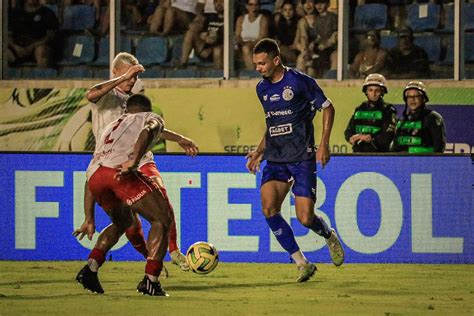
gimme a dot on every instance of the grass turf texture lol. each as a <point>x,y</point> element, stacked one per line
<point>49,288</point>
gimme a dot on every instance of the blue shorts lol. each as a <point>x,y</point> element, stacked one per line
<point>303,175</point>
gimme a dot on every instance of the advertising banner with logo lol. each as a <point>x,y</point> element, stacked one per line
<point>220,120</point>
<point>390,209</point>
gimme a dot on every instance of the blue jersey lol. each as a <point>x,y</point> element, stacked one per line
<point>290,106</point>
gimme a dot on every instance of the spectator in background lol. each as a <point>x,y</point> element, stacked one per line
<point>286,25</point>
<point>320,53</point>
<point>306,34</point>
<point>133,16</point>
<point>372,127</point>
<point>33,28</point>
<point>250,28</point>
<point>407,60</point>
<point>206,37</point>
<point>172,16</point>
<point>370,59</point>
<point>419,130</point>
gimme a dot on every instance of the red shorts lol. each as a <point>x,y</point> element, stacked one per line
<point>110,192</point>
<point>150,170</point>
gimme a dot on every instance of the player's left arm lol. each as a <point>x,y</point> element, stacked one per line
<point>187,144</point>
<point>322,154</point>
<point>88,226</point>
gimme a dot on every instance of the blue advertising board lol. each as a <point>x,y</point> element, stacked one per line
<point>391,209</point>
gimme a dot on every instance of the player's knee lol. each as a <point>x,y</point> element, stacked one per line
<point>269,211</point>
<point>306,220</point>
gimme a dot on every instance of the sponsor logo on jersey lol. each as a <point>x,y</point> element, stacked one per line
<point>288,94</point>
<point>275,98</point>
<point>281,130</point>
<point>278,113</point>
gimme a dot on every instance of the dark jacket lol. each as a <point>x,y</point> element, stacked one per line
<point>378,120</point>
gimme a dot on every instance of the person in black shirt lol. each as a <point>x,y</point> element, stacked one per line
<point>407,60</point>
<point>33,27</point>
<point>372,127</point>
<point>420,130</point>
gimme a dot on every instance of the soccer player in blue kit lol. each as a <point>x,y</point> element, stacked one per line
<point>290,100</point>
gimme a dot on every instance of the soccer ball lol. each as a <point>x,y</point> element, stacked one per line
<point>202,257</point>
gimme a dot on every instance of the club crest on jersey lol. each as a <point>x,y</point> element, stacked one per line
<point>281,130</point>
<point>265,97</point>
<point>287,94</point>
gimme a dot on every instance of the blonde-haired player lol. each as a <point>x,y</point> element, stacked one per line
<point>108,102</point>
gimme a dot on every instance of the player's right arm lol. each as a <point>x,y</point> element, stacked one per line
<point>254,157</point>
<point>101,89</point>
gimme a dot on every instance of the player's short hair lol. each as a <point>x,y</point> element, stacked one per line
<point>267,45</point>
<point>139,103</point>
<point>124,58</point>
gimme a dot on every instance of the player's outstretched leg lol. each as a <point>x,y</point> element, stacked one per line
<point>147,287</point>
<point>89,280</point>
<point>177,257</point>
<point>335,248</point>
<point>307,270</point>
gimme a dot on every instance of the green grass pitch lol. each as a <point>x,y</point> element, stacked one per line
<point>49,288</point>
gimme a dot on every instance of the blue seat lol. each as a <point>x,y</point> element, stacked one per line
<point>152,50</point>
<point>432,46</point>
<point>330,74</point>
<point>153,73</point>
<point>418,21</point>
<point>75,72</point>
<point>449,22</point>
<point>78,49</point>
<point>469,48</point>
<point>102,73</point>
<point>468,16</point>
<point>13,73</point>
<point>249,74</point>
<point>39,73</point>
<point>388,41</point>
<point>212,73</point>
<point>175,44</point>
<point>104,47</point>
<point>370,17</point>
<point>449,58</point>
<point>182,73</point>
<point>78,17</point>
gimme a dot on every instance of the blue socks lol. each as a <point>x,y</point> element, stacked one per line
<point>320,227</point>
<point>283,233</point>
